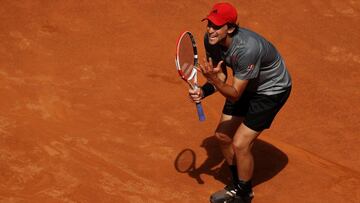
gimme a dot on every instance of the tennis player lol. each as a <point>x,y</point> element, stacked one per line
<point>260,87</point>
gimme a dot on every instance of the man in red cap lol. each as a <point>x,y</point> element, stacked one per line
<point>260,87</point>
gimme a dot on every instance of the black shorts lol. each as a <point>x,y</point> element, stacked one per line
<point>258,110</point>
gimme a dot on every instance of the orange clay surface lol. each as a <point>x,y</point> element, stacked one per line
<point>92,109</point>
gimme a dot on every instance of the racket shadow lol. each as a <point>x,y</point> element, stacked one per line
<point>209,167</point>
<point>269,161</point>
<point>185,162</point>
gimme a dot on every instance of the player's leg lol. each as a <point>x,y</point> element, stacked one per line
<point>241,189</point>
<point>262,111</point>
<point>224,133</point>
<point>242,143</point>
<point>233,115</point>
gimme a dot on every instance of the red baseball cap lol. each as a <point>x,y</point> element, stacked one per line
<point>222,13</point>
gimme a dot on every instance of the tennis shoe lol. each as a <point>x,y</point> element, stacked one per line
<point>231,194</point>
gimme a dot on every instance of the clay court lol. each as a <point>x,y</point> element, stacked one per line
<point>92,109</point>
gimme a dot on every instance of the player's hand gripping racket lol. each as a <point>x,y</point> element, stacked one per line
<point>186,61</point>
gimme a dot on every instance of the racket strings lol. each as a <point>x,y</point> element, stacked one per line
<point>188,71</point>
<point>187,57</point>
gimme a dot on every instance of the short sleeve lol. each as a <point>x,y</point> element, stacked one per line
<point>246,61</point>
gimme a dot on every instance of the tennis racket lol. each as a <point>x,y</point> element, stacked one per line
<point>186,61</point>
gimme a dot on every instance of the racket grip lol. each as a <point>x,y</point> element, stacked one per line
<point>200,112</point>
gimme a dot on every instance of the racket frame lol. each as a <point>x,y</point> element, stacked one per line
<point>193,75</point>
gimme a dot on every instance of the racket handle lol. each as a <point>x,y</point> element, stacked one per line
<point>200,112</point>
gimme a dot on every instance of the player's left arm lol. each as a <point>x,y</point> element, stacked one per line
<point>234,91</point>
<point>213,75</point>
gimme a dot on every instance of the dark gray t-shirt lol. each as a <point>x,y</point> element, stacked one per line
<point>253,58</point>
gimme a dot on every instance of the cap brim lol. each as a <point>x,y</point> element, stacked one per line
<point>214,20</point>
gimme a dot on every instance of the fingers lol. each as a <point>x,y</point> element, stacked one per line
<point>204,69</point>
<point>211,66</point>
<point>195,95</point>
<point>218,67</point>
<point>208,67</point>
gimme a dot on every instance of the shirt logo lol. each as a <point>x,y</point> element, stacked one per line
<point>250,67</point>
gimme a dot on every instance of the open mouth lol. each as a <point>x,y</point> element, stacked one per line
<point>212,37</point>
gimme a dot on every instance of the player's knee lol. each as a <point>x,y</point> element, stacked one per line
<point>223,139</point>
<point>241,148</point>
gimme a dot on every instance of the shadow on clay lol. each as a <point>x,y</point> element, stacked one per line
<point>269,161</point>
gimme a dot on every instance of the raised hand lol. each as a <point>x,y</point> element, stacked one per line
<point>208,70</point>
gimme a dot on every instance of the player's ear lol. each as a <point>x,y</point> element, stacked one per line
<point>230,30</point>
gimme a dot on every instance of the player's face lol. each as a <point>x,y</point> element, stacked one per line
<point>216,34</point>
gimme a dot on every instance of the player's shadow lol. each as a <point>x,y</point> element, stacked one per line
<point>268,159</point>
